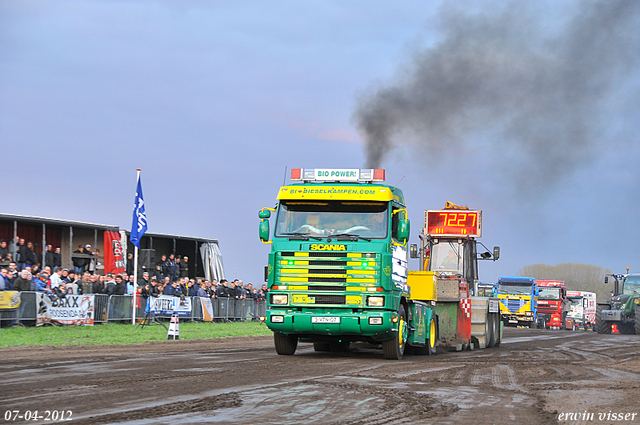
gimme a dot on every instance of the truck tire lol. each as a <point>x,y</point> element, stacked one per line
<point>433,337</point>
<point>495,330</point>
<point>285,344</point>
<point>321,346</point>
<point>393,349</point>
<point>429,348</point>
<point>637,321</point>
<point>602,326</point>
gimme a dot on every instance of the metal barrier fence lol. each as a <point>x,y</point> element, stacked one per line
<point>118,309</point>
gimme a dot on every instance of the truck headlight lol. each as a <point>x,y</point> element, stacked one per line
<point>375,320</point>
<point>279,299</point>
<point>277,319</point>
<point>375,301</point>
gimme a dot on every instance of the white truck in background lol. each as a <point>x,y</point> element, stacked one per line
<point>582,313</point>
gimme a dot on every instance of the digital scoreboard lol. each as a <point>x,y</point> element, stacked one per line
<point>453,223</point>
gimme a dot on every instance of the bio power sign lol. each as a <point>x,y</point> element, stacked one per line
<point>337,174</point>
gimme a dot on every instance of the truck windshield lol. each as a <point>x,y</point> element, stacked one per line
<point>549,293</point>
<point>631,285</point>
<point>321,219</point>
<point>446,256</point>
<point>575,305</point>
<point>514,288</point>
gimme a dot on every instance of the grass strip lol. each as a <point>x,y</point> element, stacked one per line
<point>123,334</point>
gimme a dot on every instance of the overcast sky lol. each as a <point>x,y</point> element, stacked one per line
<point>527,111</point>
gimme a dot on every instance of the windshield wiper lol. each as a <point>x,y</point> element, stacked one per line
<point>300,236</point>
<point>347,237</point>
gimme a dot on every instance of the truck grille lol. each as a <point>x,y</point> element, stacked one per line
<point>327,278</point>
<point>547,309</point>
<point>326,288</point>
<point>330,299</point>
<point>514,305</point>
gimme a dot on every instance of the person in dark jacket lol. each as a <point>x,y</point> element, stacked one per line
<point>4,252</point>
<point>110,287</point>
<point>20,248</point>
<point>223,290</point>
<point>98,283</point>
<point>30,255</point>
<point>57,258</point>
<point>184,267</point>
<point>157,273</point>
<point>22,282</point>
<point>79,263</point>
<point>61,290</point>
<point>168,290</point>
<point>129,266</point>
<point>171,267</point>
<point>48,257</point>
<point>154,291</point>
<point>121,286</point>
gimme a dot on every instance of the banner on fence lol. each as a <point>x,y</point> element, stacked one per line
<point>69,310</point>
<point>9,300</point>
<point>207,309</point>
<point>167,304</point>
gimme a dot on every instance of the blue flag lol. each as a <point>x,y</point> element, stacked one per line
<point>139,225</point>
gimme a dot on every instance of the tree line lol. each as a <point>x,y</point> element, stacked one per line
<point>578,277</point>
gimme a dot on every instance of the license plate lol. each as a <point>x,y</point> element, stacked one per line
<point>325,320</point>
<point>513,321</point>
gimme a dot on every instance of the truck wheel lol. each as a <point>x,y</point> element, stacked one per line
<point>285,344</point>
<point>321,346</point>
<point>394,348</point>
<point>637,321</point>
<point>602,326</point>
<point>433,337</point>
<point>495,330</point>
<point>430,343</point>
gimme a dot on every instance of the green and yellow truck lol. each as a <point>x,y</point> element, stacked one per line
<point>337,271</point>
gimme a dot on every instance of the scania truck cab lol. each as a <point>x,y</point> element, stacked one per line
<point>337,270</point>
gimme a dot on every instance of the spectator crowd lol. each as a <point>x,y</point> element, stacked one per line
<point>170,276</point>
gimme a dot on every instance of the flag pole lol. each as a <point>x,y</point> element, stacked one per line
<point>135,270</point>
<point>135,285</point>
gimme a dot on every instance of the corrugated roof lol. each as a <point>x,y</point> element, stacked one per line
<point>56,221</point>
<point>169,235</point>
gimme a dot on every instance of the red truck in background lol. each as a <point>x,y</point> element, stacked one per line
<point>552,304</point>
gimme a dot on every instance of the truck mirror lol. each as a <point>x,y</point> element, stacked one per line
<point>496,253</point>
<point>264,230</point>
<point>264,214</point>
<point>606,279</point>
<point>413,251</point>
<point>403,231</point>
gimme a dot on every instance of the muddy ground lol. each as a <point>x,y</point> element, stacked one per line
<point>534,376</point>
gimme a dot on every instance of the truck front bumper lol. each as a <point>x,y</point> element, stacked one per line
<point>378,325</point>
<point>513,318</point>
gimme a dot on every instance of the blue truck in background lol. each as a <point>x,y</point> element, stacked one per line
<point>518,300</point>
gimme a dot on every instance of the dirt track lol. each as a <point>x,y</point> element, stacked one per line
<point>533,377</point>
